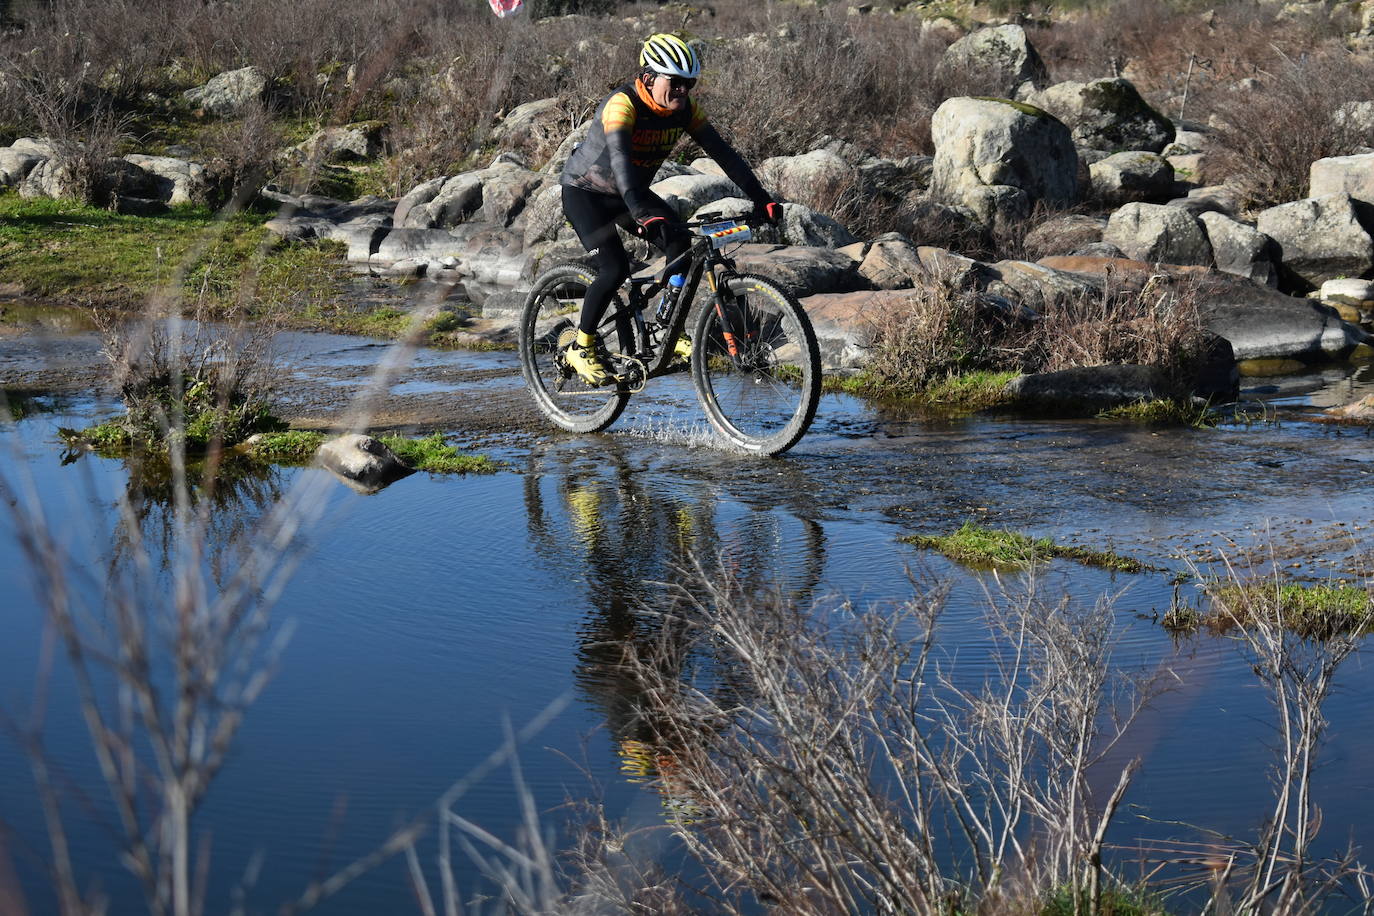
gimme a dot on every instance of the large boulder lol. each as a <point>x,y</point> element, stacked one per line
<point>1036,286</point>
<point>1091,388</point>
<point>688,193</point>
<point>229,93</point>
<point>891,262</point>
<point>998,60</point>
<point>804,271</point>
<point>1319,239</point>
<point>544,218</point>
<point>998,158</point>
<point>1156,233</point>
<point>802,178</point>
<point>846,323</point>
<point>175,181</point>
<point>15,166</point>
<point>505,189</point>
<point>358,142</point>
<point>1352,175</point>
<point>1239,249</point>
<point>1132,176</point>
<point>1107,114</point>
<point>1063,235</point>
<point>532,127</point>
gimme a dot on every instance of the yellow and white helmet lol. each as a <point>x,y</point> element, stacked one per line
<point>670,56</point>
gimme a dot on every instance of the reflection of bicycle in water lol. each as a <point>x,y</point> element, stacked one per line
<point>596,521</point>
<point>753,358</point>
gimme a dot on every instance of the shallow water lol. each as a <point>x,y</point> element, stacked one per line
<point>430,615</point>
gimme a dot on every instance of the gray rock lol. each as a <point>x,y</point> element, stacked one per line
<point>1098,250</point>
<point>1240,249</point>
<point>228,93</point>
<point>362,460</point>
<point>1358,119</point>
<point>998,158</point>
<point>359,142</point>
<point>1158,234</point>
<point>1063,235</point>
<point>1261,323</point>
<point>803,177</point>
<point>804,271</point>
<point>457,199</point>
<point>1358,293</point>
<point>891,264</point>
<point>537,125</point>
<point>1107,114</point>
<point>1091,388</point>
<point>419,195</point>
<point>1132,176</point>
<point>505,191</point>
<point>688,193</point>
<point>1037,287</point>
<point>1352,175</point>
<point>15,166</point>
<point>41,147</point>
<point>1186,142</point>
<point>846,323</point>
<point>178,181</point>
<point>419,244</point>
<point>544,217</point>
<point>565,149</point>
<point>1319,239</point>
<point>998,60</point>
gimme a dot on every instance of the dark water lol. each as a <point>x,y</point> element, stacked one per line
<point>429,617</point>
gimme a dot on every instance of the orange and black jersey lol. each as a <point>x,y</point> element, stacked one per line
<point>631,137</point>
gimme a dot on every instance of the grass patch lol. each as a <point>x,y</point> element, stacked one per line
<point>436,456</point>
<point>1163,412</point>
<point>970,390</point>
<point>975,545</point>
<point>292,446</point>
<point>63,249</point>
<point>109,438</point>
<point>976,390</point>
<point>1318,611</point>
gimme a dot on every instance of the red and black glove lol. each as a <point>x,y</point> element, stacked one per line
<point>766,212</point>
<point>656,229</point>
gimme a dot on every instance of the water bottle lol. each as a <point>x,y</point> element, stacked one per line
<point>670,294</point>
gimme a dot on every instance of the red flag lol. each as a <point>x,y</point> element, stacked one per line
<point>504,8</point>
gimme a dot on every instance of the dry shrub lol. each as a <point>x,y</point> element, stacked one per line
<point>835,767</point>
<point>1267,140</point>
<point>1158,324</point>
<point>872,81</point>
<point>243,151</point>
<point>948,329</point>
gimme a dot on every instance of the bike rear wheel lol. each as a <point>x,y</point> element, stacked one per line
<point>756,365</point>
<point>547,325</point>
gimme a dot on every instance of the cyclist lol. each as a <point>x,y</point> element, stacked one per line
<point>606,180</point>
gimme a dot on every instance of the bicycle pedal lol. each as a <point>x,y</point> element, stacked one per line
<point>635,373</point>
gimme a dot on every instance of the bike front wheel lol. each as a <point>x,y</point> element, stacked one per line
<point>756,365</point>
<point>548,325</point>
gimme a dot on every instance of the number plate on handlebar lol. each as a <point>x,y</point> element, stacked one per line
<point>729,232</point>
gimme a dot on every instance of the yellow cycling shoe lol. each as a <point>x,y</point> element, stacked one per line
<point>682,350</point>
<point>587,363</point>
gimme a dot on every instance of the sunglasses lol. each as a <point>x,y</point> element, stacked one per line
<point>681,82</point>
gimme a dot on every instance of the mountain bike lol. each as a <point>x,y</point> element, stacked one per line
<point>754,360</point>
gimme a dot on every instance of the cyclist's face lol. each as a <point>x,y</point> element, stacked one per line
<point>671,92</point>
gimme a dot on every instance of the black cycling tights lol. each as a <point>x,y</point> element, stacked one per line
<point>595,218</point>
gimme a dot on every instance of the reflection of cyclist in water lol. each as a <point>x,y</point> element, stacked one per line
<point>605,526</point>
<point>606,180</point>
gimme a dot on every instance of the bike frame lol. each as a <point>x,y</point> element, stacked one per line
<point>703,259</point>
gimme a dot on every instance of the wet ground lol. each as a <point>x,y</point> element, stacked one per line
<point>429,613</point>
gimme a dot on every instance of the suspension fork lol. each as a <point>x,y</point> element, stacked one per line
<point>731,321</point>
